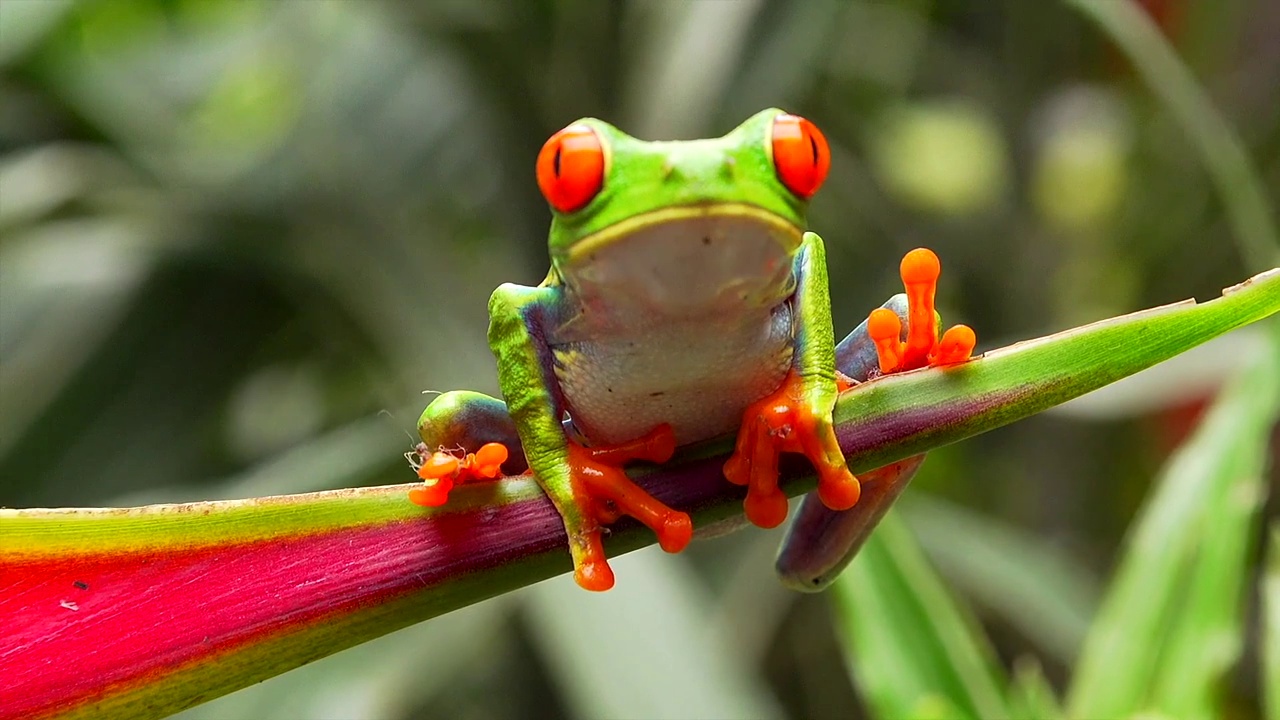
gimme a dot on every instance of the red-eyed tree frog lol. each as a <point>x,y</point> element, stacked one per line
<point>685,301</point>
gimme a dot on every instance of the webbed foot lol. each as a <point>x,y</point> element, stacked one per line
<point>440,470</point>
<point>920,269</point>
<point>795,418</point>
<point>604,493</point>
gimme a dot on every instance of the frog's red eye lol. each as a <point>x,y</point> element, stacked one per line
<point>800,154</point>
<point>571,168</point>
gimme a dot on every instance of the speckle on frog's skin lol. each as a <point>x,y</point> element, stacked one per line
<point>81,585</point>
<point>69,605</point>
<point>706,239</point>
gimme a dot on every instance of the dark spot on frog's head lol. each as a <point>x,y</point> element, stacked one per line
<point>82,585</point>
<point>609,389</point>
<point>706,239</point>
<point>658,393</point>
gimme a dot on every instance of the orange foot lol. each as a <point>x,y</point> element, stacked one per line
<point>604,493</point>
<point>787,421</point>
<point>920,269</point>
<point>441,470</point>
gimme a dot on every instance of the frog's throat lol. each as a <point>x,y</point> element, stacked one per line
<point>787,232</point>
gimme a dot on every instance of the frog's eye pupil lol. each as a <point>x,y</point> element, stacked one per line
<point>571,168</point>
<point>800,171</point>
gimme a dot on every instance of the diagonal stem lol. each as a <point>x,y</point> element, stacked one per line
<point>145,611</point>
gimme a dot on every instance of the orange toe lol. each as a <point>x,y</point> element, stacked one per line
<point>487,461</point>
<point>595,575</point>
<point>440,464</point>
<point>955,346</point>
<point>920,270</point>
<point>885,330</point>
<point>675,532</point>
<point>766,510</point>
<point>840,494</point>
<point>920,266</point>
<point>432,493</point>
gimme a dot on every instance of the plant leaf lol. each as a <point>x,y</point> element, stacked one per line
<point>167,606</point>
<point>1171,624</point>
<point>702,679</point>
<point>1030,695</point>
<point>1271,628</point>
<point>1026,581</point>
<point>909,644</point>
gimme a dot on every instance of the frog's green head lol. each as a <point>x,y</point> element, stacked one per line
<point>681,226</point>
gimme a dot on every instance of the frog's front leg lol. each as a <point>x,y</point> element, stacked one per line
<point>587,485</point>
<point>797,417</point>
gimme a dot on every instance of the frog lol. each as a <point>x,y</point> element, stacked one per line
<point>686,300</point>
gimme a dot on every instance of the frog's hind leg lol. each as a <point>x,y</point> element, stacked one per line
<point>821,542</point>
<point>465,435</point>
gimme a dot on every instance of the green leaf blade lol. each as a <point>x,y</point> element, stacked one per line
<point>1014,573</point>
<point>909,644</point>
<point>1030,695</point>
<point>1171,623</point>
<point>1271,628</point>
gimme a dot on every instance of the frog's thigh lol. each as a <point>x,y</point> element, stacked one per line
<point>466,420</point>
<point>821,542</point>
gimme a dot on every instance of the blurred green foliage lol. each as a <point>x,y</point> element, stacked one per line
<point>238,239</point>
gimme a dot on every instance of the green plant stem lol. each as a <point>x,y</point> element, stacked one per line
<point>201,599</point>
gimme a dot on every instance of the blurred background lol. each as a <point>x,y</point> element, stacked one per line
<point>239,240</point>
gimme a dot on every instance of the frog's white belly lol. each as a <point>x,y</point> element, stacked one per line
<point>699,376</point>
